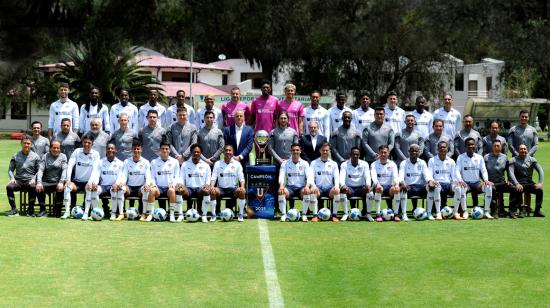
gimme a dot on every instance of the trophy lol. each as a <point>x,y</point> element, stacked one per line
<point>261,139</point>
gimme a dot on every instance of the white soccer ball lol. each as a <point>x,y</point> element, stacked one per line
<point>477,213</point>
<point>159,214</point>
<point>192,215</point>
<point>226,214</point>
<point>97,214</point>
<point>355,214</point>
<point>387,214</point>
<point>132,213</point>
<point>420,213</point>
<point>77,212</point>
<point>293,215</point>
<point>324,214</point>
<point>447,212</point>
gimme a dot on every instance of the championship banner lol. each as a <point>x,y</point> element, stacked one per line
<point>262,191</point>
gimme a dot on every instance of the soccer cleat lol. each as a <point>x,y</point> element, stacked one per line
<point>66,215</point>
<point>457,216</point>
<point>113,217</point>
<point>438,216</point>
<point>240,218</point>
<point>369,217</point>
<point>405,218</point>
<point>334,219</point>
<point>149,218</point>
<point>204,219</point>
<point>465,215</point>
<point>538,213</point>
<point>521,214</point>
<point>396,218</point>
<point>180,218</point>
<point>213,218</point>
<point>30,214</point>
<point>379,218</point>
<point>85,217</point>
<point>345,217</point>
<point>430,217</point>
<point>143,217</point>
<point>172,218</point>
<point>120,217</point>
<point>315,219</point>
<point>283,218</point>
<point>304,218</point>
<point>512,215</point>
<point>488,216</point>
<point>43,214</point>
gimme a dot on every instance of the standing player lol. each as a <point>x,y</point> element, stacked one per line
<point>364,115</point>
<point>335,113</point>
<point>151,136</point>
<point>165,173</point>
<point>171,114</point>
<point>152,104</point>
<point>326,181</point>
<point>263,110</point>
<point>385,181</point>
<point>355,181</point>
<point>393,114</point>
<point>450,116</point>
<point>376,134</point>
<point>51,177</point>
<point>344,139</point>
<point>442,169</point>
<point>229,177</point>
<point>94,109</point>
<point>181,135</point>
<point>84,160</point>
<point>294,180</point>
<point>40,144</point>
<point>424,119</point>
<point>294,109</point>
<point>230,107</point>
<point>523,133</point>
<point>109,169</point>
<point>69,140</point>
<point>124,106</point>
<point>195,180</point>
<point>317,113</point>
<point>470,170</point>
<point>209,106</point>
<point>60,109</point>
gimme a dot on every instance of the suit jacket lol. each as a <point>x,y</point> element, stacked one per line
<point>245,144</point>
<point>308,152</point>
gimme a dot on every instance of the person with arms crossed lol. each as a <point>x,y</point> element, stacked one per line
<point>40,144</point>
<point>60,109</point>
<point>51,177</point>
<point>355,181</point>
<point>326,182</point>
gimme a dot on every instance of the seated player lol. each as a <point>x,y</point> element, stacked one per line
<point>51,177</point>
<point>229,177</point>
<point>355,181</point>
<point>84,160</point>
<point>521,174</point>
<point>414,179</point>
<point>165,173</point>
<point>109,169</point>
<point>385,181</point>
<point>441,168</point>
<point>22,171</point>
<point>294,180</point>
<point>469,167</point>
<point>195,180</point>
<point>135,178</point>
<point>326,181</point>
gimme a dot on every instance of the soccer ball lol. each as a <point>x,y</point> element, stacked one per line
<point>77,212</point>
<point>97,214</point>
<point>159,214</point>
<point>226,215</point>
<point>420,213</point>
<point>447,212</point>
<point>324,214</point>
<point>293,215</point>
<point>192,215</point>
<point>477,213</point>
<point>132,213</point>
<point>355,214</point>
<point>387,214</point>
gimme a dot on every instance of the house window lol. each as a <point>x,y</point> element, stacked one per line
<point>459,82</point>
<point>256,78</point>
<point>489,83</point>
<point>175,76</point>
<point>224,79</point>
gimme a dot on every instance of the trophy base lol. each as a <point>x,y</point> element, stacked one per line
<point>263,161</point>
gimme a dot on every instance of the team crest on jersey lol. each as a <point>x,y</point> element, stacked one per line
<point>301,168</point>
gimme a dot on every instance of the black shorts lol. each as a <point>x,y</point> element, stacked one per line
<point>227,192</point>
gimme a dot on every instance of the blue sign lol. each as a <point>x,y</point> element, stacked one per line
<point>262,191</point>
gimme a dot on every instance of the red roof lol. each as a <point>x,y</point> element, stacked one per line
<point>161,61</point>
<point>171,87</point>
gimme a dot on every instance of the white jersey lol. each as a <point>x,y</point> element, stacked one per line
<point>355,176</point>
<point>142,115</point>
<point>362,118</point>
<point>218,118</point>
<point>165,173</point>
<point>319,115</point>
<point>424,123</point>
<point>195,175</point>
<point>452,121</point>
<point>385,174</point>
<point>171,115</point>
<point>108,171</point>
<point>335,116</point>
<point>414,174</point>
<point>132,112</point>
<point>471,169</point>
<point>325,173</point>
<point>59,111</point>
<point>442,171</point>
<point>135,173</point>
<point>84,165</point>
<point>87,116</point>
<point>228,175</point>
<point>295,174</point>
<point>395,118</point>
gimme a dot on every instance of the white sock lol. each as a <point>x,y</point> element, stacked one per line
<point>430,202</point>
<point>404,199</point>
<point>150,207</point>
<point>179,202</point>
<point>396,202</point>
<point>173,208</point>
<point>377,201</point>
<point>335,204</point>
<point>463,200</point>
<point>67,199</point>
<point>314,203</point>
<point>205,205</point>
<point>213,204</point>
<point>95,199</point>
<point>344,201</point>
<point>368,202</point>
<point>457,198</point>
<point>488,196</point>
<point>121,202</point>
<point>114,202</point>
<point>437,199</point>
<point>282,204</point>
<point>240,204</point>
<point>87,202</point>
<point>305,204</point>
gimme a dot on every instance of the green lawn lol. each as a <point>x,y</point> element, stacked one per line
<point>50,262</point>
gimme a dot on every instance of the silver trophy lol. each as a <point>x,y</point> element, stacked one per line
<point>261,138</point>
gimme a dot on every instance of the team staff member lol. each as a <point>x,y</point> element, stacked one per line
<point>51,176</point>
<point>431,145</point>
<point>68,139</point>
<point>151,136</point>
<point>521,174</point>
<point>311,142</point>
<point>376,134</point>
<point>523,133</point>
<point>241,138</point>
<point>488,140</point>
<point>40,144</point>
<point>101,138</point>
<point>181,135</point>
<point>123,138</point>
<point>468,132</point>
<point>295,179</point>
<point>497,165</point>
<point>281,139</point>
<point>60,109</point>
<point>211,140</point>
<point>344,138</point>
<point>405,138</point>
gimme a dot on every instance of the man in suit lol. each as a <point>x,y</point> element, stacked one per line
<point>241,137</point>
<point>311,143</point>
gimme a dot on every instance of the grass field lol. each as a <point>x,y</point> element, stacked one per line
<point>50,262</point>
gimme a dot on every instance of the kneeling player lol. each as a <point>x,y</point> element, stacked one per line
<point>165,172</point>
<point>326,181</point>
<point>229,176</point>
<point>355,181</point>
<point>109,169</point>
<point>195,183</point>
<point>294,180</point>
<point>385,180</point>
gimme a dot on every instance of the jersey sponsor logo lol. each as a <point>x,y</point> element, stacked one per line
<point>161,172</point>
<point>466,168</point>
<point>194,175</point>
<point>410,174</point>
<point>324,173</point>
<point>354,176</point>
<point>110,172</point>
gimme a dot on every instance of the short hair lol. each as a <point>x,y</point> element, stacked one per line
<point>265,82</point>
<point>414,146</point>
<point>152,111</point>
<point>111,142</point>
<point>391,93</point>
<point>340,93</point>
<point>36,122</point>
<point>235,89</point>
<point>95,120</point>
<point>136,142</point>
<point>181,109</point>
<point>208,112</point>
<point>313,122</point>
<point>379,108</point>
<point>122,114</point>
<point>448,94</point>
<point>195,145</point>
<point>468,116</point>
<point>164,143</point>
<point>469,139</point>
<point>88,136</point>
<point>326,144</point>
<point>438,120</point>
<point>442,142</point>
<point>290,86</point>
<point>496,140</point>
<point>384,146</point>
<point>229,145</point>
<point>121,90</point>
<point>420,99</point>
<point>65,120</point>
<point>95,88</point>
<point>315,91</point>
<point>295,145</point>
<point>364,93</point>
<point>355,148</point>
<point>26,137</point>
<point>410,115</point>
<point>62,85</point>
<point>56,141</point>
<point>522,111</point>
<point>347,111</point>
